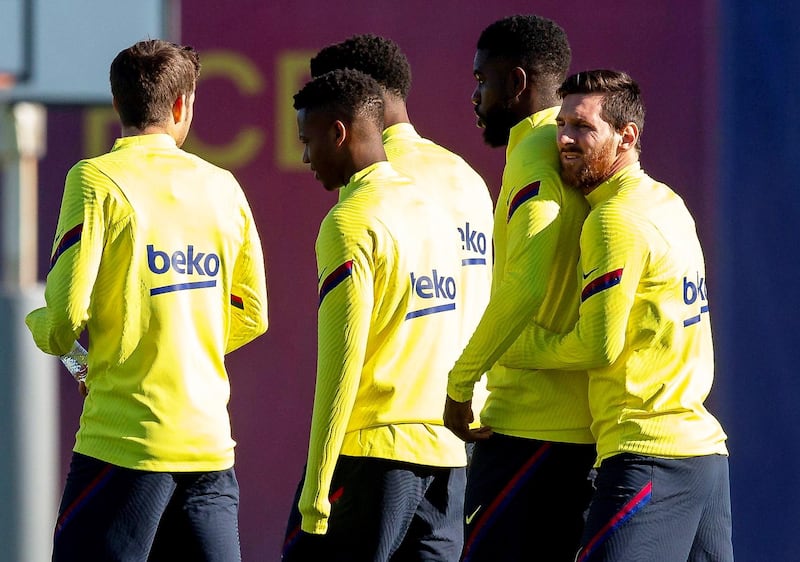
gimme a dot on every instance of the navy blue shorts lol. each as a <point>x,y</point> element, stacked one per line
<point>112,513</point>
<point>385,510</point>
<point>659,510</point>
<point>526,499</point>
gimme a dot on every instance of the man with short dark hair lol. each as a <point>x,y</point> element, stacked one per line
<point>157,256</point>
<point>644,335</point>
<point>460,191</point>
<point>528,482</point>
<point>384,478</point>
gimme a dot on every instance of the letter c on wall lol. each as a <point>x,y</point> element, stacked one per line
<point>101,124</point>
<point>237,68</point>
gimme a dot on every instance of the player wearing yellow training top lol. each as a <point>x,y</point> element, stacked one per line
<point>384,478</point>
<point>462,193</point>
<point>527,486</point>
<point>644,333</point>
<point>157,256</point>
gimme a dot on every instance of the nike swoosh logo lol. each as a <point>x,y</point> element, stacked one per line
<point>474,513</point>
<point>585,275</point>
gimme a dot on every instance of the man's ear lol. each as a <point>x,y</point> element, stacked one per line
<point>629,134</point>
<point>179,108</point>
<point>517,82</point>
<point>340,132</point>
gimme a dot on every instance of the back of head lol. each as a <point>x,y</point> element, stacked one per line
<point>622,97</point>
<point>377,56</point>
<point>536,44</point>
<point>346,94</point>
<point>148,77</point>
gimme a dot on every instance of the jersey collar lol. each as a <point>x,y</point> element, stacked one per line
<point>538,119</point>
<point>373,172</point>
<point>158,140</point>
<point>400,130</point>
<point>614,184</point>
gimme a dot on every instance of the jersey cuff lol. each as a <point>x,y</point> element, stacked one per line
<point>459,391</point>
<point>315,525</point>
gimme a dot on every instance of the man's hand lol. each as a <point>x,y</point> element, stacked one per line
<point>458,416</point>
<point>82,389</point>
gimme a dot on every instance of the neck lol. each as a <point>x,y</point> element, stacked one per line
<point>536,98</point>
<point>625,159</point>
<point>394,111</point>
<point>129,131</point>
<point>363,158</point>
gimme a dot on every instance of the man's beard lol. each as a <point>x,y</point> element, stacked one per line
<point>594,168</point>
<point>497,124</point>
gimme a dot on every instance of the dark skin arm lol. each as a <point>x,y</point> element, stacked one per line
<point>458,416</point>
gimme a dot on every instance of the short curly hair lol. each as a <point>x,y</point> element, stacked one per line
<point>377,56</point>
<point>345,93</point>
<point>538,45</point>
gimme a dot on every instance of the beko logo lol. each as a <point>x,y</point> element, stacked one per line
<point>441,288</point>
<point>693,290</point>
<point>188,262</point>
<point>473,242</point>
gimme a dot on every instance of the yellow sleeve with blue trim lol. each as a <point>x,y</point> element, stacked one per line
<point>89,196</point>
<point>531,246</point>
<point>533,220</point>
<point>612,255</point>
<point>249,316</point>
<point>345,307</point>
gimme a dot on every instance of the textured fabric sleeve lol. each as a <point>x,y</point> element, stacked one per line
<point>532,235</point>
<point>346,300</point>
<point>614,252</point>
<point>248,304</point>
<point>74,261</point>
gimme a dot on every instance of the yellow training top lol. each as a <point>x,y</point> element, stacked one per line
<point>465,200</point>
<point>537,225</point>
<point>644,330</point>
<point>388,316</point>
<point>157,255</point>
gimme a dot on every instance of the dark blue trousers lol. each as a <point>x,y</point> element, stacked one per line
<point>659,510</point>
<point>526,500</point>
<point>110,513</point>
<point>384,510</point>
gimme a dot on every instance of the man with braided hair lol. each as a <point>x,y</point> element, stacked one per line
<point>384,478</point>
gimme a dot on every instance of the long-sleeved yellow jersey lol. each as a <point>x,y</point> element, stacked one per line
<point>537,225</point>
<point>644,330</point>
<point>389,295</point>
<point>157,255</point>
<point>465,199</point>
